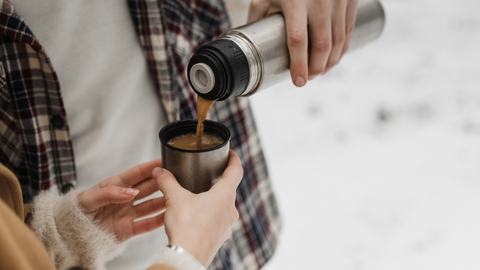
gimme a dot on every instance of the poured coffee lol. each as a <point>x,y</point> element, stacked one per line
<point>189,142</point>
<point>199,140</point>
<point>204,106</point>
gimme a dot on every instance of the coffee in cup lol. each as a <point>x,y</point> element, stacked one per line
<point>190,141</point>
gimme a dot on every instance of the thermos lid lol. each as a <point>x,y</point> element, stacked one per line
<point>219,70</point>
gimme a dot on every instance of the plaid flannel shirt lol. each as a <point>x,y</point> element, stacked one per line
<point>34,136</point>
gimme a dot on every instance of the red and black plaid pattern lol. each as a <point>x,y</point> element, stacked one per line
<point>34,135</point>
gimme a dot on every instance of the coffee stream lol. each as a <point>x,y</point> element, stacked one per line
<point>203,105</point>
<point>199,140</point>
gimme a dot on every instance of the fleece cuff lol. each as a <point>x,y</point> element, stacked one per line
<point>72,239</point>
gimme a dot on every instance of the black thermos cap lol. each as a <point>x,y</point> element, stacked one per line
<point>229,65</point>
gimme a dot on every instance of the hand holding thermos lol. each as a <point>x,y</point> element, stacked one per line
<point>330,27</point>
<point>258,55</point>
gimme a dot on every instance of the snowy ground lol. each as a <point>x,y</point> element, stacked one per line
<point>378,166</point>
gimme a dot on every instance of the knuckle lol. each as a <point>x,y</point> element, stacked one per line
<point>295,39</point>
<point>151,207</point>
<point>228,234</point>
<point>138,170</point>
<point>239,171</point>
<point>161,182</point>
<point>229,198</point>
<point>254,4</point>
<point>146,226</point>
<point>331,64</point>
<point>323,45</point>
<point>82,194</point>
<point>162,178</point>
<point>350,29</point>
<point>315,71</point>
<point>232,197</point>
<point>337,60</point>
<point>235,216</point>
<point>152,186</point>
<point>289,5</point>
<point>108,191</point>
<point>338,39</point>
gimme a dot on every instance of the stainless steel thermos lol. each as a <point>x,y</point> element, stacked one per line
<point>255,56</point>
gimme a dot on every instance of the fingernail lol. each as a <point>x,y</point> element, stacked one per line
<point>299,81</point>
<point>131,191</point>
<point>156,172</point>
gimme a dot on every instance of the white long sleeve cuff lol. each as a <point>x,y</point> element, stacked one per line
<point>178,258</point>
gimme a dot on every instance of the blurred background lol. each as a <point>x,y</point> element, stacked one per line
<point>376,165</point>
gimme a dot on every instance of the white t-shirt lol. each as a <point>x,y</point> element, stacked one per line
<point>113,111</point>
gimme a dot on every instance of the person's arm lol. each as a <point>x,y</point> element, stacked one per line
<point>198,224</point>
<point>328,23</point>
<point>86,228</point>
<point>72,238</point>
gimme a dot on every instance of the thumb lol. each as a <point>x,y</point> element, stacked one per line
<point>167,183</point>
<point>92,199</point>
<point>232,176</point>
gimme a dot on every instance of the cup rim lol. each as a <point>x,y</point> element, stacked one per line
<point>212,125</point>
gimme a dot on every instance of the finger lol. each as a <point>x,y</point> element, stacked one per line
<point>233,174</point>
<point>258,9</point>
<point>339,11</point>
<point>350,24</point>
<point>149,207</point>
<point>146,187</point>
<point>134,175</point>
<point>321,38</point>
<point>148,224</point>
<point>92,199</point>
<point>166,182</point>
<point>295,13</point>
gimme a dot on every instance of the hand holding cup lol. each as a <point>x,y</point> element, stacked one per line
<point>200,223</point>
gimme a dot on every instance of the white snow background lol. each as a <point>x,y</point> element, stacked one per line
<point>376,165</point>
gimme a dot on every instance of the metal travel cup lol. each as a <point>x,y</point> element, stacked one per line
<point>195,170</point>
<point>255,56</point>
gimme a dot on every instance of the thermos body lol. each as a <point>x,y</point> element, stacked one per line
<point>265,44</point>
<point>255,56</point>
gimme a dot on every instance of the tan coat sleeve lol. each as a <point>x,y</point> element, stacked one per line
<point>19,247</point>
<point>10,191</point>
